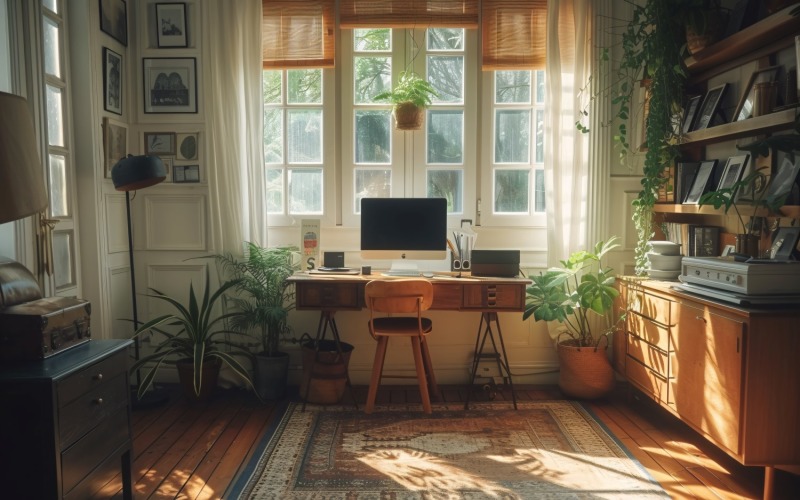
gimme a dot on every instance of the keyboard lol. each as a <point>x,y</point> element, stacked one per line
<point>403,273</point>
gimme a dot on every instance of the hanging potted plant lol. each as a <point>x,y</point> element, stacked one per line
<point>580,297</point>
<point>410,97</point>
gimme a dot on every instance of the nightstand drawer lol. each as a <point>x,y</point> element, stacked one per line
<point>90,377</point>
<point>86,412</point>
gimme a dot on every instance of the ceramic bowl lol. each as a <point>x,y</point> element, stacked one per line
<point>660,262</point>
<point>664,247</point>
<point>663,275</point>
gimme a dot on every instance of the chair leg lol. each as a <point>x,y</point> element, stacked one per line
<point>377,370</point>
<point>421,376</point>
<point>433,387</point>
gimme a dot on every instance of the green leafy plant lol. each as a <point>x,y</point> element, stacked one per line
<point>410,88</point>
<point>201,336</point>
<point>571,294</point>
<point>263,297</point>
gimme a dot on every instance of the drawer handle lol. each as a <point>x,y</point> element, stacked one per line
<point>98,377</point>
<point>700,318</point>
<point>98,401</point>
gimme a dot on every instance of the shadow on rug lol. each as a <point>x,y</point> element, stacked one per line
<point>546,449</point>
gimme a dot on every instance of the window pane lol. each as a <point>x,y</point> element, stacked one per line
<point>539,136</point>
<point>51,4</point>
<point>446,74</point>
<point>373,75</point>
<point>62,259</point>
<point>273,135</point>
<point>373,136</point>
<point>366,40</point>
<point>512,136</point>
<point>272,87</point>
<point>540,87</point>
<point>512,87</point>
<point>55,113</point>
<point>539,201</point>
<point>511,190</point>
<point>305,191</point>
<point>305,136</point>
<point>58,186</point>
<point>305,86</point>
<point>445,39</point>
<point>445,136</point>
<point>52,55</point>
<point>274,191</point>
<point>372,183</point>
<point>448,184</point>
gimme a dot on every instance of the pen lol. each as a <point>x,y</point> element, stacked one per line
<point>452,248</point>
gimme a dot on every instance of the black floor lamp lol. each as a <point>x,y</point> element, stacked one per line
<point>130,174</point>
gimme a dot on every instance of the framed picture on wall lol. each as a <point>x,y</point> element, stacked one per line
<point>112,81</point>
<point>186,173</point>
<point>159,143</point>
<point>187,147</point>
<point>710,106</point>
<point>170,84</point>
<point>171,25</point>
<point>746,107</point>
<point>114,19</point>
<point>115,143</point>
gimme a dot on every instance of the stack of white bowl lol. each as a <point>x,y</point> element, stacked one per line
<point>664,260</point>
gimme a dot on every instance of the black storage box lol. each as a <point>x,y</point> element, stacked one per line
<point>495,263</point>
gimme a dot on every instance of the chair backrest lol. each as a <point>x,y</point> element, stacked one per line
<point>399,296</point>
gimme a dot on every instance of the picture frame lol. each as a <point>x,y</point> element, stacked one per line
<point>114,20</point>
<point>734,168</point>
<point>115,143</point>
<point>784,178</point>
<point>710,106</point>
<point>171,25</point>
<point>691,112</point>
<point>168,167</point>
<point>159,143</point>
<point>170,84</point>
<point>185,173</point>
<point>113,77</point>
<point>701,182</point>
<point>746,106</point>
<point>187,147</point>
<point>784,242</point>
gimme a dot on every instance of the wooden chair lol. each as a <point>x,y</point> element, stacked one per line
<point>409,297</point>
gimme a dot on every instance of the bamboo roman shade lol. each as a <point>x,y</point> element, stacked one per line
<point>408,13</point>
<point>513,34</point>
<point>297,33</point>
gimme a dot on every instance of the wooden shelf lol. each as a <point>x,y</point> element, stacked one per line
<point>792,211</point>
<point>770,33</point>
<point>758,125</point>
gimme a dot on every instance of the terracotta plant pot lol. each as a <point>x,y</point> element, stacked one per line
<point>208,379</point>
<point>586,372</point>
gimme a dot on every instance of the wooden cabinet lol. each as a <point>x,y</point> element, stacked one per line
<point>730,372</point>
<point>65,428</point>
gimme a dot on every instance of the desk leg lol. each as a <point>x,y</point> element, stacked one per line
<point>502,360</point>
<point>326,319</point>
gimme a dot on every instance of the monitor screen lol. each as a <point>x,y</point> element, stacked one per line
<point>404,228</point>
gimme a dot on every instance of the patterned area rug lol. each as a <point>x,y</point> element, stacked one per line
<point>546,449</point>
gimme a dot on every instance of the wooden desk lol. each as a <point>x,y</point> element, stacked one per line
<point>329,293</point>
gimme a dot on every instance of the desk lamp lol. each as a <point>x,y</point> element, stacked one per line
<point>22,188</point>
<point>130,174</point>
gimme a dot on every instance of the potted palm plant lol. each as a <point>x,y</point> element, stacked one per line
<point>262,299</point>
<point>198,348</point>
<point>579,295</point>
<point>410,97</point>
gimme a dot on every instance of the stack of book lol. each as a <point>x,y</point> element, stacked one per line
<point>695,240</point>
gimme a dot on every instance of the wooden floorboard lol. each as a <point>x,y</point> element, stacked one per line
<point>190,451</point>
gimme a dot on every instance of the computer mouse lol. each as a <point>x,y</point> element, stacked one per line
<point>427,275</point>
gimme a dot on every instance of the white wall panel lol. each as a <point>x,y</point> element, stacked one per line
<point>117,227</point>
<point>119,279</point>
<point>175,222</point>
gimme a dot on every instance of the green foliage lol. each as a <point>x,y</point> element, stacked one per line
<point>410,88</point>
<point>201,336</point>
<point>569,294</point>
<point>751,190</point>
<point>263,297</point>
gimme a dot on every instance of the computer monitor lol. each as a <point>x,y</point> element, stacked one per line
<point>403,229</point>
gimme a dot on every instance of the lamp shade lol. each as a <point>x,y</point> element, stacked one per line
<point>137,172</point>
<point>22,188</point>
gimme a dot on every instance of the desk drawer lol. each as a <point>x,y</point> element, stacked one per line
<point>510,297</point>
<point>90,377</point>
<point>91,408</point>
<point>330,296</point>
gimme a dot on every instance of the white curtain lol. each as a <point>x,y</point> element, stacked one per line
<point>575,184</point>
<point>234,110</point>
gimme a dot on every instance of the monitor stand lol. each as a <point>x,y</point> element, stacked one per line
<point>403,268</point>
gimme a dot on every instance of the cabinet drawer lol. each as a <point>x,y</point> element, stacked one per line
<point>446,296</point>
<point>650,306</point>
<point>494,297</point>
<point>80,459</point>
<point>648,355</point>
<point>83,381</point>
<point>334,295</point>
<point>646,379</point>
<point>649,331</point>
<point>91,408</point>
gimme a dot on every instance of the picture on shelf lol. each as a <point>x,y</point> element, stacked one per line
<point>701,182</point>
<point>159,143</point>
<point>691,113</point>
<point>734,168</point>
<point>784,180</point>
<point>112,81</point>
<point>170,85</point>
<point>784,243</point>
<point>710,106</point>
<point>759,86</point>
<point>114,19</point>
<point>171,25</point>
